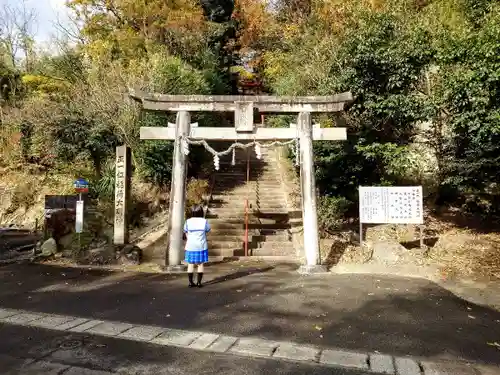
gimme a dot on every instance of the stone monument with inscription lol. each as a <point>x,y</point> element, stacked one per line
<point>122,195</point>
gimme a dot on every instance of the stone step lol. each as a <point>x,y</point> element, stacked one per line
<point>236,182</point>
<point>258,188</point>
<point>269,165</point>
<point>253,229</point>
<point>217,237</point>
<point>276,245</point>
<point>252,210</point>
<point>253,218</point>
<point>241,201</point>
<point>285,233</point>
<point>274,251</point>
<point>218,195</point>
<point>267,205</point>
<point>228,186</point>
<point>267,217</point>
<point>239,223</point>
<point>224,252</point>
<point>253,207</point>
<point>281,254</point>
<point>272,238</point>
<point>248,189</point>
<point>291,259</point>
<point>230,182</point>
<point>276,193</point>
<point>216,224</point>
<point>219,234</point>
<point>225,244</point>
<point>288,253</point>
<point>243,174</point>
<point>236,244</point>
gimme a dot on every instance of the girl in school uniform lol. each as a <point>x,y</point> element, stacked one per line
<point>196,229</point>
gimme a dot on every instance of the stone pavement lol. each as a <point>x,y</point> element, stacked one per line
<point>238,346</point>
<point>37,351</point>
<point>365,314</point>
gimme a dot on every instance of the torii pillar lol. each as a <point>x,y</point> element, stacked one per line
<point>177,193</point>
<point>308,186</point>
<point>244,130</point>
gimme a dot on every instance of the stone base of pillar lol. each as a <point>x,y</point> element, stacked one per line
<point>312,270</point>
<point>176,269</point>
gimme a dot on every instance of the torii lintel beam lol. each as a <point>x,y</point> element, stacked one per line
<point>285,104</point>
<point>230,134</point>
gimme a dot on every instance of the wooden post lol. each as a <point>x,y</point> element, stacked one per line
<point>177,193</point>
<point>308,182</point>
<point>360,232</point>
<point>122,195</point>
<point>421,230</point>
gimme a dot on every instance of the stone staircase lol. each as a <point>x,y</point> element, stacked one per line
<point>269,221</point>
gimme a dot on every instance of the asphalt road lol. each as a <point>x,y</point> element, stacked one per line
<point>26,351</point>
<point>368,313</point>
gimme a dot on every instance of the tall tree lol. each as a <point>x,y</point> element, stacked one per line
<point>17,25</point>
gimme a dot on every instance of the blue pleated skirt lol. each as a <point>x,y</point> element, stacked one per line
<point>196,257</point>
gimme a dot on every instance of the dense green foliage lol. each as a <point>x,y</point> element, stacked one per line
<point>427,83</point>
<point>426,76</point>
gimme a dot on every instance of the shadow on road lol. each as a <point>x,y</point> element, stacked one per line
<point>393,315</point>
<point>237,275</point>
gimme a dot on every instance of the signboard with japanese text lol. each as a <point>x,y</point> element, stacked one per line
<point>79,217</point>
<point>391,205</point>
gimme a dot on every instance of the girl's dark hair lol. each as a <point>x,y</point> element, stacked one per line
<point>197,211</point>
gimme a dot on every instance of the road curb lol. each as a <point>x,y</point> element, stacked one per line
<point>376,363</point>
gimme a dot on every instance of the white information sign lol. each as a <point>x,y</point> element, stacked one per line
<point>391,205</point>
<point>79,217</point>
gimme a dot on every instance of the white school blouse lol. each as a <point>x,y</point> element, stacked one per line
<point>196,229</point>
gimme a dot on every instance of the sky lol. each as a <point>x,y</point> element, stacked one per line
<point>48,12</point>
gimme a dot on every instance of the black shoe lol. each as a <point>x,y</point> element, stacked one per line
<point>200,277</point>
<point>191,283</point>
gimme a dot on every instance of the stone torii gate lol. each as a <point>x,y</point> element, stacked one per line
<point>244,130</point>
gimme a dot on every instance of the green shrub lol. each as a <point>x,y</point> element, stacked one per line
<point>155,162</point>
<point>331,212</point>
<point>104,188</point>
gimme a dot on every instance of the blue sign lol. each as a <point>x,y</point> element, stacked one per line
<point>81,183</point>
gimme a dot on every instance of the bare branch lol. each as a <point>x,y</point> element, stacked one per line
<point>17,31</point>
<point>70,29</point>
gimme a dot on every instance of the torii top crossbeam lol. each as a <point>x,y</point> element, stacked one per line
<point>243,108</point>
<point>294,104</point>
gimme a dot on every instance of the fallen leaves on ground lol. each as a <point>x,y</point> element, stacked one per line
<point>458,252</point>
